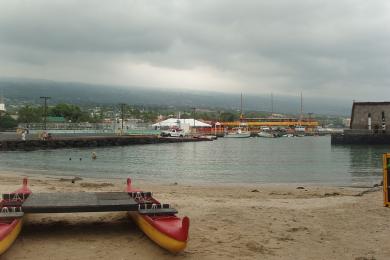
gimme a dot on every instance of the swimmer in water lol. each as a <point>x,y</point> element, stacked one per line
<point>94,156</point>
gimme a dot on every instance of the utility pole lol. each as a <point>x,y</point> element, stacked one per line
<point>122,114</point>
<point>194,110</point>
<point>301,116</point>
<point>301,104</point>
<point>272,104</point>
<point>45,111</point>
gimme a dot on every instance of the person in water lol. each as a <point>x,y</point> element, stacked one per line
<point>94,156</point>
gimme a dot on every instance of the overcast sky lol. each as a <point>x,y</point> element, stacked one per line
<point>337,48</point>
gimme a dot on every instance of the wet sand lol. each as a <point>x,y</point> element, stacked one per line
<point>236,222</point>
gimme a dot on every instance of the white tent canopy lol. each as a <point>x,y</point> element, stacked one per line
<point>171,122</point>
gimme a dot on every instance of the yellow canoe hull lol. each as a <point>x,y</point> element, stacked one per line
<point>164,241</point>
<point>7,242</point>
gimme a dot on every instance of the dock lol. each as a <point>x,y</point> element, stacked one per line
<point>91,141</point>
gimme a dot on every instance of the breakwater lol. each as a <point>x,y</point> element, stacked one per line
<point>90,141</point>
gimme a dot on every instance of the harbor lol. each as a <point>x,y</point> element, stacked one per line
<point>192,130</point>
<point>310,159</point>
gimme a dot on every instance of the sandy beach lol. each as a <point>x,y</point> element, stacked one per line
<point>237,222</point>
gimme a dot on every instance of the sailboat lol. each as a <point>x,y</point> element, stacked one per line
<point>242,130</point>
<point>238,133</point>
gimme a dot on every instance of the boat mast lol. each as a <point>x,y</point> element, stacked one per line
<point>301,116</point>
<point>241,108</point>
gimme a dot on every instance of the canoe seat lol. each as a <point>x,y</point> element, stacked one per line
<point>11,215</point>
<point>159,211</point>
<point>15,196</point>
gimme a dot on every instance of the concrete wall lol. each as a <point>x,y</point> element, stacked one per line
<point>360,111</point>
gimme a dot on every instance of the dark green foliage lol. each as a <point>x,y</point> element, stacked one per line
<point>229,116</point>
<point>7,122</point>
<point>72,113</point>
<point>69,112</point>
<point>29,114</point>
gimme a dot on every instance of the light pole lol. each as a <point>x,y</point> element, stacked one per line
<point>45,111</point>
<point>122,114</point>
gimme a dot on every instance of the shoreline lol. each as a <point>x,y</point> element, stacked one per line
<point>40,174</point>
<point>239,222</point>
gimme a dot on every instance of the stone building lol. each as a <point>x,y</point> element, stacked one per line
<point>374,116</point>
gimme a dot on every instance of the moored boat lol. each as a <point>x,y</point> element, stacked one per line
<point>266,134</point>
<point>10,227</point>
<point>239,133</point>
<point>168,231</point>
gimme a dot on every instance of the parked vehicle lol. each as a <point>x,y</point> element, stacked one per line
<point>174,133</point>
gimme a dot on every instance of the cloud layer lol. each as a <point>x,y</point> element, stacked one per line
<point>323,48</point>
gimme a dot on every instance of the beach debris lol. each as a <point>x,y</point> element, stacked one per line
<point>175,183</point>
<point>375,189</point>
<point>76,179</point>
<point>331,194</point>
<point>296,229</point>
<point>258,248</point>
<point>280,193</point>
<point>365,258</point>
<point>73,180</point>
<point>255,190</point>
<point>96,185</point>
<point>300,188</point>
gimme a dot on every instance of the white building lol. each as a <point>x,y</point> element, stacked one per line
<point>184,124</point>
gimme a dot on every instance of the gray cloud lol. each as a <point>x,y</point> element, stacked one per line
<point>323,48</point>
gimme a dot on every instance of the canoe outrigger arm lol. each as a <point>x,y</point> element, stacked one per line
<point>83,202</point>
<point>156,219</point>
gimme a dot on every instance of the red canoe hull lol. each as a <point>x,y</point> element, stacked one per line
<point>10,229</point>
<point>169,232</point>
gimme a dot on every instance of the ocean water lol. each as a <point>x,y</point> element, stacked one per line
<point>224,161</point>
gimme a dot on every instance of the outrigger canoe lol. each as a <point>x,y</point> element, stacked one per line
<point>168,231</point>
<point>11,227</point>
<point>158,221</point>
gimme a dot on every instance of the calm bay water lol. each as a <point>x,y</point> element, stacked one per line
<point>251,160</point>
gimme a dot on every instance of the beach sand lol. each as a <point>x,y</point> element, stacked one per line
<point>227,222</point>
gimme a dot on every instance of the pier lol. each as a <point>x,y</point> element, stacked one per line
<point>91,141</point>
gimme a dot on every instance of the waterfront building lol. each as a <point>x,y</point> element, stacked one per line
<point>371,116</point>
<point>185,124</point>
<point>368,125</point>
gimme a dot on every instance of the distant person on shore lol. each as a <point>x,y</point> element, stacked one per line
<point>45,135</point>
<point>24,135</point>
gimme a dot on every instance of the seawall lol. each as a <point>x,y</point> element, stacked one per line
<point>360,139</point>
<point>90,141</point>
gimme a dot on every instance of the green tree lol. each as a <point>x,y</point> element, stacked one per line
<point>149,116</point>
<point>228,117</point>
<point>28,114</point>
<point>69,112</point>
<point>7,122</point>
